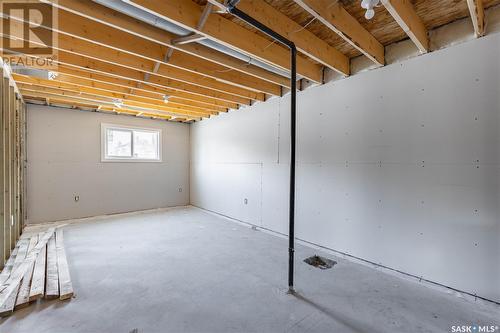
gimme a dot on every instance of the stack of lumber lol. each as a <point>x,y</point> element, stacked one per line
<point>37,268</point>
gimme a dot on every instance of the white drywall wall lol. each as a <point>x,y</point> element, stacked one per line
<point>64,160</point>
<point>399,166</point>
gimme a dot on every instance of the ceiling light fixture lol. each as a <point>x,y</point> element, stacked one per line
<point>165,98</point>
<point>369,5</point>
<point>118,103</point>
<point>52,75</point>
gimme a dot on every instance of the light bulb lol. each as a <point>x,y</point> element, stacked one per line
<point>366,4</point>
<point>370,13</point>
<point>118,103</point>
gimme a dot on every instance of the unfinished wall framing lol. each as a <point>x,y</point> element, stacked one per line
<point>12,164</point>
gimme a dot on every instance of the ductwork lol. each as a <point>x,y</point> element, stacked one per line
<point>161,23</point>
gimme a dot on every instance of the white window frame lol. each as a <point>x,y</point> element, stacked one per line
<point>104,148</point>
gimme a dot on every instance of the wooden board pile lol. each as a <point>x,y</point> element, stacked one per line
<point>37,268</point>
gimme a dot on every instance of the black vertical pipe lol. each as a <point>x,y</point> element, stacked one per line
<point>293,131</point>
<point>293,122</point>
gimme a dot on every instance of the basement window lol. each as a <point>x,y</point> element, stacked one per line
<point>130,144</point>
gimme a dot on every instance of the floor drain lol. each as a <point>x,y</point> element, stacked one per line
<point>320,262</point>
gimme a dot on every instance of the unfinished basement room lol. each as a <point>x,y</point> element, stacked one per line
<point>214,166</point>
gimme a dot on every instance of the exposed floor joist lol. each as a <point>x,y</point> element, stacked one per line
<point>476,9</point>
<point>146,90</point>
<point>24,81</point>
<point>186,14</point>
<point>144,63</point>
<point>109,17</point>
<point>404,13</point>
<point>103,99</point>
<point>336,18</point>
<point>304,40</point>
<point>127,77</point>
<point>89,105</point>
<point>92,31</point>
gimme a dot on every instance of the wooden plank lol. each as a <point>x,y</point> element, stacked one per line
<point>6,177</point>
<point>24,288</point>
<point>18,165</point>
<point>476,8</point>
<point>11,286</point>
<point>12,188</point>
<point>24,169</point>
<point>403,12</point>
<point>7,306</point>
<point>65,285</point>
<point>8,266</point>
<point>52,287</point>
<point>334,16</point>
<point>218,28</point>
<point>37,288</point>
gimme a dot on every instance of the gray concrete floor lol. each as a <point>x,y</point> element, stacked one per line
<point>185,270</point>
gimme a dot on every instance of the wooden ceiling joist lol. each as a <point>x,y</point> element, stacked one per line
<point>92,31</point>
<point>158,101</point>
<point>334,16</point>
<point>194,37</point>
<point>83,63</point>
<point>139,92</point>
<point>89,105</point>
<point>109,17</point>
<point>142,114</point>
<point>82,47</point>
<point>306,42</point>
<point>93,51</point>
<point>70,75</point>
<point>222,30</point>
<point>405,15</point>
<point>51,93</point>
<point>36,91</point>
<point>476,9</point>
<point>131,101</point>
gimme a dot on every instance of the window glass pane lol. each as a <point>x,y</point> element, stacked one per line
<point>146,145</point>
<point>119,142</point>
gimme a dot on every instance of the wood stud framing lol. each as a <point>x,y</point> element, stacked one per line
<point>12,166</point>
